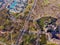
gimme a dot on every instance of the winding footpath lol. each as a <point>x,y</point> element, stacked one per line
<point>25,27</point>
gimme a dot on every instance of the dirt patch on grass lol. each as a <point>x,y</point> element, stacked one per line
<point>47,8</point>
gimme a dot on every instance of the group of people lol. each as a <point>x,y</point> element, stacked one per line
<point>13,5</point>
<point>2,4</point>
